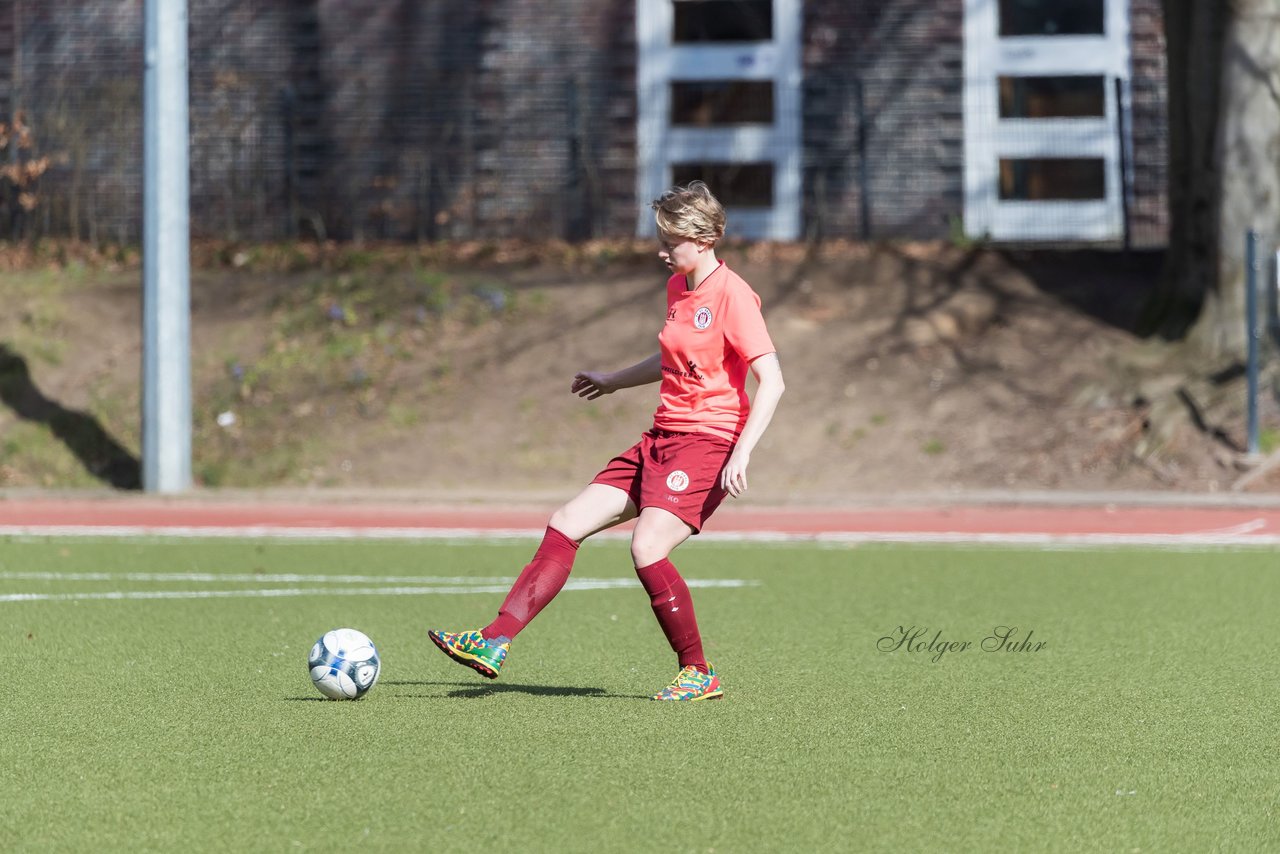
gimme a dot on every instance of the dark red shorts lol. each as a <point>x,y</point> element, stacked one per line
<point>679,472</point>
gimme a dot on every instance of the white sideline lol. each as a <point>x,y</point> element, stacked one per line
<point>1239,535</point>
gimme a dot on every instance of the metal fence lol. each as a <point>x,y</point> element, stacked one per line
<point>450,120</point>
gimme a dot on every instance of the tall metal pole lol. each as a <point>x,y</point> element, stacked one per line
<point>166,255</point>
<point>1273,304</point>
<point>1251,347</point>
<point>1126,167</point>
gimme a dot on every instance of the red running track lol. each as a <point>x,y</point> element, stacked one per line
<point>936,523</point>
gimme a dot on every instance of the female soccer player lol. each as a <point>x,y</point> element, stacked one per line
<point>697,452</point>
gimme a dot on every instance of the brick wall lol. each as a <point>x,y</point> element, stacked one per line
<point>342,118</point>
<point>403,119</point>
<point>883,127</point>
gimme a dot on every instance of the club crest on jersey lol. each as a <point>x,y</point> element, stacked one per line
<point>677,481</point>
<point>702,319</point>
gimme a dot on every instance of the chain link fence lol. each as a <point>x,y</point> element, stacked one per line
<point>456,119</point>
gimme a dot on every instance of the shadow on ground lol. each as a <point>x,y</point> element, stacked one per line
<point>463,690</point>
<point>95,448</point>
<point>1112,286</point>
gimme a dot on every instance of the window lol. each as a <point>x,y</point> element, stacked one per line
<point>1045,90</point>
<point>714,103</point>
<point>718,98</point>
<point>1052,179</point>
<point>1052,17</point>
<point>1052,97</point>
<point>736,185</point>
<point>723,21</point>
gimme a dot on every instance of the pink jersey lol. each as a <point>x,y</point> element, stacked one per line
<point>712,334</point>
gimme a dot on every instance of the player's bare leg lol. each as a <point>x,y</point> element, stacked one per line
<point>596,508</point>
<point>656,536</point>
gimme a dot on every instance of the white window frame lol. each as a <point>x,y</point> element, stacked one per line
<point>659,145</point>
<point>988,138</point>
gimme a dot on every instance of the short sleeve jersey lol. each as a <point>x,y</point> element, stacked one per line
<point>711,335</point>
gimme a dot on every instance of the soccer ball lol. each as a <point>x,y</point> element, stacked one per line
<point>344,664</point>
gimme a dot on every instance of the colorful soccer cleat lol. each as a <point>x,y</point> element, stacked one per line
<point>691,684</point>
<point>472,649</point>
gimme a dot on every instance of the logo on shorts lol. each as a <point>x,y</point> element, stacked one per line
<point>677,481</point>
<point>702,319</point>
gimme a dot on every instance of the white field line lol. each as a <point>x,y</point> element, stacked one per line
<point>261,593</point>
<point>1243,528</point>
<point>276,592</point>
<point>1239,535</point>
<point>1049,540</point>
<point>253,578</point>
<point>186,532</point>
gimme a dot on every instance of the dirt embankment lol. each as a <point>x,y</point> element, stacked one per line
<point>910,368</point>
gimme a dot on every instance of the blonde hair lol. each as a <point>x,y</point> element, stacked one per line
<point>691,212</point>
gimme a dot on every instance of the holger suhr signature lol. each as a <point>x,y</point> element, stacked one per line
<point>921,639</point>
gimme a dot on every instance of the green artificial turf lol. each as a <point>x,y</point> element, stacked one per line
<point>1146,722</point>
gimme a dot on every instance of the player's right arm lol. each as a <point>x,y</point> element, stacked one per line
<point>593,384</point>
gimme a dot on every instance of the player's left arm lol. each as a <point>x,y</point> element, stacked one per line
<point>768,373</point>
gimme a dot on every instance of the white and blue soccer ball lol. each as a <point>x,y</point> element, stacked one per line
<point>344,664</point>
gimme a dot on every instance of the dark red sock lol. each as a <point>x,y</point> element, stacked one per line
<point>673,606</point>
<point>537,585</point>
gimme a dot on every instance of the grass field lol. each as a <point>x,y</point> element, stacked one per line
<point>1147,721</point>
